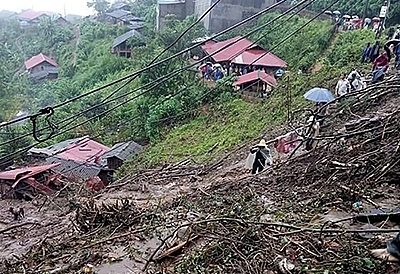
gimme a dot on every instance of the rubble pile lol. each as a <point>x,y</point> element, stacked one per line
<point>324,210</point>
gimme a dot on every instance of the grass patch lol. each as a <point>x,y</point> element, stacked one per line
<point>228,123</point>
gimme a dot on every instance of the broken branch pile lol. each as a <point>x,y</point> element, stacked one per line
<point>120,215</point>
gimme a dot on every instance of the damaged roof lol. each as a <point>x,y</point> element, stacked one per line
<point>25,172</point>
<point>123,151</point>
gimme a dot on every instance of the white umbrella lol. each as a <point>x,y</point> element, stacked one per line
<point>319,95</point>
<point>355,17</point>
<point>336,12</point>
<point>346,16</point>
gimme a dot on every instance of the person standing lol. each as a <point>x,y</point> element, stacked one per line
<point>381,62</point>
<point>375,51</point>
<point>342,86</point>
<point>262,157</point>
<point>366,53</point>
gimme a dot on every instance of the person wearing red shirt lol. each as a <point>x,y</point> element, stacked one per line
<point>381,62</point>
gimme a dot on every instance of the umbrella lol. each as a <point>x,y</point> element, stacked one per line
<point>393,42</point>
<point>319,95</point>
<point>328,12</point>
<point>355,17</point>
<point>336,12</point>
<point>367,20</point>
<point>376,19</point>
<point>346,16</point>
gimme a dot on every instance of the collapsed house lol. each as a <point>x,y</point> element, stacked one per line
<point>79,158</point>
<point>84,159</point>
<point>25,183</point>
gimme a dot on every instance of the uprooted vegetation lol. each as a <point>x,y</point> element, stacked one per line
<point>298,216</point>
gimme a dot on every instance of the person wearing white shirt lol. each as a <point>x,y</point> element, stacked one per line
<point>342,86</point>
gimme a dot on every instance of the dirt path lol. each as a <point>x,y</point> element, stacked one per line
<point>318,66</point>
<point>77,33</point>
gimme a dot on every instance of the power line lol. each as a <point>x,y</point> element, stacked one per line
<point>115,107</point>
<point>103,113</point>
<point>166,77</point>
<point>150,66</point>
<point>159,120</point>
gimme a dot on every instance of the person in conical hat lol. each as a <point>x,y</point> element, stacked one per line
<point>262,156</point>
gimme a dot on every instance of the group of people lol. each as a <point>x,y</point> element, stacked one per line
<point>216,72</point>
<point>353,82</point>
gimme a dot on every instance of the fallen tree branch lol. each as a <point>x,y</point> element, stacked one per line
<point>17,226</point>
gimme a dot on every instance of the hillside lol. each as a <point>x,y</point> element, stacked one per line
<point>187,204</point>
<point>83,53</point>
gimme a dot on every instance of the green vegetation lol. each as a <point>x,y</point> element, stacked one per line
<point>182,116</point>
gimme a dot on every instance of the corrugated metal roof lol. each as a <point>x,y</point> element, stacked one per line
<point>7,14</point>
<point>84,151</point>
<point>118,6</point>
<point>123,151</point>
<point>26,171</point>
<point>254,76</point>
<point>38,59</point>
<point>265,60</point>
<point>123,15</point>
<point>136,25</point>
<point>229,52</point>
<point>73,169</point>
<point>120,39</point>
<point>56,148</point>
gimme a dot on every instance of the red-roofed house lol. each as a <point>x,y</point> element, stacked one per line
<point>80,158</point>
<point>243,52</point>
<point>255,82</point>
<point>260,59</point>
<point>231,51</point>
<point>31,16</point>
<point>42,67</point>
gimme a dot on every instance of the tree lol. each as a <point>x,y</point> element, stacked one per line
<point>100,6</point>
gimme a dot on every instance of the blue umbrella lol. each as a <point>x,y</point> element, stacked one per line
<point>319,95</point>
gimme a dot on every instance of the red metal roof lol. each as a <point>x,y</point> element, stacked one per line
<point>229,52</point>
<point>28,171</point>
<point>84,151</point>
<point>38,59</point>
<point>30,14</point>
<point>254,76</point>
<point>265,60</point>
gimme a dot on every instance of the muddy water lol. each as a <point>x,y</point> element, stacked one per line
<point>126,265</point>
<point>20,240</point>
